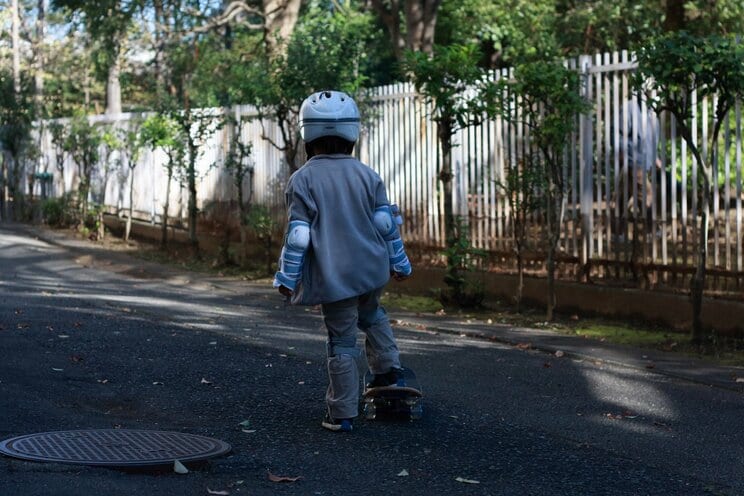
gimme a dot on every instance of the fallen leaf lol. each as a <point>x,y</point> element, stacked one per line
<point>248,431</point>
<point>280,478</point>
<point>63,336</point>
<point>524,346</point>
<point>23,326</point>
<point>76,358</point>
<point>212,343</point>
<point>204,381</point>
<point>179,468</point>
<point>103,381</point>
<point>547,365</point>
<point>218,493</point>
<point>245,423</point>
<point>57,370</point>
<point>574,317</point>
<point>740,379</point>
<point>403,473</point>
<point>467,481</point>
<point>77,324</point>
<point>650,365</point>
<point>157,383</point>
<point>559,354</point>
<point>440,312</point>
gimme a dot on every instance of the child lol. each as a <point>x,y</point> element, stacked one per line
<point>341,247</point>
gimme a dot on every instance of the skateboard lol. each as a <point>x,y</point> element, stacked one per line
<point>393,401</point>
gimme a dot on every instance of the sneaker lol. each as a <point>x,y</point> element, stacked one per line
<point>394,377</point>
<point>337,425</point>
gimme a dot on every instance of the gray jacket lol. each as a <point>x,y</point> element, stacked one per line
<point>337,195</point>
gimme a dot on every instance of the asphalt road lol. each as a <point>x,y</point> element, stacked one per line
<point>92,342</point>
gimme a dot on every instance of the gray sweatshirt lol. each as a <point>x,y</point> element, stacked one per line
<point>337,195</point>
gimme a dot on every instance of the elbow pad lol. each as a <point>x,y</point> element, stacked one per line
<point>293,255</point>
<point>387,218</point>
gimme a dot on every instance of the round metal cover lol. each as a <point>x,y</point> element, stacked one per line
<point>113,447</point>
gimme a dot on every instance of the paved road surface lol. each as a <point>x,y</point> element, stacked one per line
<point>518,422</point>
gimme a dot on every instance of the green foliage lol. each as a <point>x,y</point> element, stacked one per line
<point>453,83</point>
<point>82,143</point>
<point>60,212</point>
<point>549,97</point>
<point>462,261</point>
<point>160,131</point>
<point>591,26</point>
<point>326,51</point>
<point>677,64</point>
<point>16,115</point>
<point>673,66</point>
<point>237,164</point>
<point>505,30</point>
<point>260,222</point>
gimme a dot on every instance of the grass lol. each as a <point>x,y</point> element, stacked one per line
<point>725,351</point>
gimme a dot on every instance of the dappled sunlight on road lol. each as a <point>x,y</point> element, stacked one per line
<point>630,402</point>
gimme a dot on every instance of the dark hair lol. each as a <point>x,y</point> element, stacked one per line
<point>328,145</point>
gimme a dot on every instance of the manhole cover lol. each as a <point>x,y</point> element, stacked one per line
<point>113,447</point>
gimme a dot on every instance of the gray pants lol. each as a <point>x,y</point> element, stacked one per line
<point>342,319</point>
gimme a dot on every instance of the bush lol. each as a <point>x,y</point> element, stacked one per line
<point>59,212</point>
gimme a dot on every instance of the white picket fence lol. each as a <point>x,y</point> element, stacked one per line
<point>600,236</point>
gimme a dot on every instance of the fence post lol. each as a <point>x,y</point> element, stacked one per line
<point>586,184</point>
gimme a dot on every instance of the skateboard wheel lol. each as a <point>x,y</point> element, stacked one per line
<point>370,410</point>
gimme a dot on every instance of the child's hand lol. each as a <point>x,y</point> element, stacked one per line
<point>285,291</point>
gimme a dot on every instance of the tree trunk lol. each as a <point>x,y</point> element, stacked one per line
<point>280,18</point>
<point>113,87</point>
<point>16,45</point>
<point>166,205</point>
<point>675,15</point>
<point>697,285</point>
<point>39,52</point>
<point>193,211</point>
<point>391,19</point>
<point>552,242</point>
<point>128,228</point>
<point>520,280</point>
<point>421,21</point>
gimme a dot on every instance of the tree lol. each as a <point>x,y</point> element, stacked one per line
<point>195,126</point>
<point>419,18</point>
<point>460,93</point>
<point>16,123</point>
<point>673,67</point>
<point>107,22</point>
<point>522,187</point>
<point>131,143</point>
<point>58,134</point>
<point>237,164</point>
<point>549,100</point>
<point>506,31</point>
<point>160,131</point>
<point>83,140</point>
<point>278,86</point>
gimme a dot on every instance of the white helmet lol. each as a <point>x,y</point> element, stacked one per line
<point>329,113</point>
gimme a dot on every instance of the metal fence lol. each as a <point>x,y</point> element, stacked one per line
<point>622,223</point>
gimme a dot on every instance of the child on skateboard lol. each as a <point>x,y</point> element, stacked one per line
<point>341,247</point>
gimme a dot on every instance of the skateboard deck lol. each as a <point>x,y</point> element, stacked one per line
<point>393,401</point>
